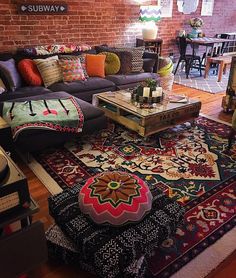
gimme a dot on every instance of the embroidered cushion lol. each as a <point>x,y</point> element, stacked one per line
<point>71,70</point>
<point>95,65</point>
<point>2,87</point>
<point>10,73</point>
<point>30,72</point>
<point>50,70</point>
<point>112,63</point>
<point>115,198</point>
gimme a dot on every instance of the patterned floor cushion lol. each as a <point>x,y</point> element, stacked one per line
<point>116,252</point>
<point>115,198</point>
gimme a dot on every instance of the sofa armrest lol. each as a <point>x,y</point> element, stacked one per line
<point>150,61</point>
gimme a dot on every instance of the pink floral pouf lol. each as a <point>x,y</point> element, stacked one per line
<point>115,198</point>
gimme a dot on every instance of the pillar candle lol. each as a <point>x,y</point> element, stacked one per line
<point>154,93</point>
<point>146,91</point>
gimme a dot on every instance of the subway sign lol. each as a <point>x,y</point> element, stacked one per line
<point>42,8</point>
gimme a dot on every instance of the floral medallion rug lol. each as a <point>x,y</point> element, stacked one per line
<point>190,164</point>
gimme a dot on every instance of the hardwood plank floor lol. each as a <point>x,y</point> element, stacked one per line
<point>211,105</point>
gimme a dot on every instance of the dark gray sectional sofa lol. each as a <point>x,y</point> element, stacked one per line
<point>81,90</point>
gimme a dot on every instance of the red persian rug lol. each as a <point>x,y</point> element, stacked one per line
<point>190,164</point>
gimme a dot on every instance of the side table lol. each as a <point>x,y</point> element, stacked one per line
<point>24,249</point>
<point>6,140</point>
<point>154,45</point>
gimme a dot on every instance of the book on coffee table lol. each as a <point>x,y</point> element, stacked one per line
<point>178,98</point>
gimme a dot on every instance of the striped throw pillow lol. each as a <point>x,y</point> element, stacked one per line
<point>137,54</point>
<point>50,70</point>
<point>71,70</point>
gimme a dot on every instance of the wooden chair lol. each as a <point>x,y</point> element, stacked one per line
<point>233,130</point>
<point>229,100</point>
<point>187,58</point>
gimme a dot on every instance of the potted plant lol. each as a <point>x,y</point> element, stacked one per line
<point>196,23</point>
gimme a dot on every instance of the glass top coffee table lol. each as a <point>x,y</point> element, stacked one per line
<point>118,107</point>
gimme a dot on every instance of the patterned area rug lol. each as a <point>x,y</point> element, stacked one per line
<point>190,164</point>
<point>196,81</point>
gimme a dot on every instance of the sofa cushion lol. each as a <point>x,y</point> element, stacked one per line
<point>9,71</point>
<point>119,79</point>
<point>137,54</point>
<point>95,65</point>
<point>50,70</point>
<point>124,56</point>
<point>92,83</point>
<point>112,63</point>
<point>30,72</point>
<point>28,91</point>
<point>71,70</point>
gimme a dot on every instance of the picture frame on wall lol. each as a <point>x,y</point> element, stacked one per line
<point>207,7</point>
<point>166,7</point>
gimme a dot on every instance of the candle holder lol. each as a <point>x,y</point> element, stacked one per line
<point>147,96</point>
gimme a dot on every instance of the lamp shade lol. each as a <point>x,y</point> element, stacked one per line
<point>150,13</point>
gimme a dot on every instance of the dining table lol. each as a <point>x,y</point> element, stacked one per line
<point>213,46</point>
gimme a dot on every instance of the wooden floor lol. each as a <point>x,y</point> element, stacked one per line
<point>211,105</point>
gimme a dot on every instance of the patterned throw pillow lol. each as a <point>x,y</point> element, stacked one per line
<point>50,70</point>
<point>112,63</point>
<point>2,87</point>
<point>10,73</point>
<point>137,54</point>
<point>30,73</point>
<point>71,70</point>
<point>82,61</point>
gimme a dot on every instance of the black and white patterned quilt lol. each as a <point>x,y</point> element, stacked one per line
<point>115,252</point>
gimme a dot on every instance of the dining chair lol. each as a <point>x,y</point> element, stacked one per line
<point>232,131</point>
<point>188,58</point>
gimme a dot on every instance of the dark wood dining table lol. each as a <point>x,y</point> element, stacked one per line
<point>210,44</point>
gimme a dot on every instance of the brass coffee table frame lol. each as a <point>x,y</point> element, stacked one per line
<point>118,107</point>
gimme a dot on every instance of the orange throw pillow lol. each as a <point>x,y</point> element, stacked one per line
<point>95,65</point>
<point>29,72</point>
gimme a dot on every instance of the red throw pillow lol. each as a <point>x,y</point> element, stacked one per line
<point>29,72</point>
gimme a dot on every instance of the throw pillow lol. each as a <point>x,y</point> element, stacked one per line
<point>137,54</point>
<point>124,56</point>
<point>50,70</point>
<point>95,65</point>
<point>10,73</point>
<point>112,63</point>
<point>82,61</point>
<point>2,87</point>
<point>71,70</point>
<point>29,72</point>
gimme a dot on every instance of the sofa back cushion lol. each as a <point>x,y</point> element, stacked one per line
<point>50,70</point>
<point>95,65</point>
<point>71,70</point>
<point>10,73</point>
<point>30,72</point>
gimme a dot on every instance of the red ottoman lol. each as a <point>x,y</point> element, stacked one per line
<point>115,198</point>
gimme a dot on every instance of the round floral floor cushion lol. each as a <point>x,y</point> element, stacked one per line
<point>115,198</point>
<point>112,63</point>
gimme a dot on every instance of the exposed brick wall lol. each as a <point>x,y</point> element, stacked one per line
<point>101,21</point>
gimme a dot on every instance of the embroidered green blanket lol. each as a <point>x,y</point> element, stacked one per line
<point>63,115</point>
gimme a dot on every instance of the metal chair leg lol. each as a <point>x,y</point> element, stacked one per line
<point>177,66</point>
<point>230,138</point>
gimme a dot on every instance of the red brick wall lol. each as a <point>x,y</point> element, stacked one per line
<point>101,21</point>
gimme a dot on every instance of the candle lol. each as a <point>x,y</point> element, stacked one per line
<point>159,91</point>
<point>154,93</point>
<point>146,91</point>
